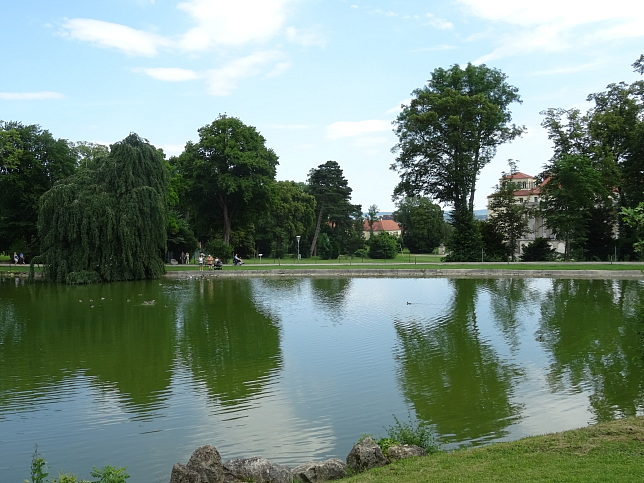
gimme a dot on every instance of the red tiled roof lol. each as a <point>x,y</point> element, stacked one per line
<point>517,175</point>
<point>382,225</point>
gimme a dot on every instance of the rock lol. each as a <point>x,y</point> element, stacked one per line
<point>207,462</point>
<point>181,474</point>
<point>258,470</point>
<point>333,469</point>
<point>204,466</point>
<point>366,454</point>
<point>402,451</point>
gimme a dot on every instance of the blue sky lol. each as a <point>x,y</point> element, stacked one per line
<point>321,80</point>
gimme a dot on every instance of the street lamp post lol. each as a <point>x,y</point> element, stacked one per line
<point>298,248</point>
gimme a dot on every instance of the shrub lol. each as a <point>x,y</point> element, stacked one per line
<point>538,251</point>
<point>217,248</point>
<point>383,245</point>
<point>361,253</point>
<point>410,433</point>
<point>108,474</point>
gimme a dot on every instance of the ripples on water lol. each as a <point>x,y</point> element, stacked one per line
<point>298,369</point>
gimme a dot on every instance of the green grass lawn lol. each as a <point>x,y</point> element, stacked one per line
<point>403,261</point>
<point>606,452</point>
<point>410,262</point>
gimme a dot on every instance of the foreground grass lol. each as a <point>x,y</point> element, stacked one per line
<point>606,452</point>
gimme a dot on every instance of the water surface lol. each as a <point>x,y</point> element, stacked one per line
<point>140,374</point>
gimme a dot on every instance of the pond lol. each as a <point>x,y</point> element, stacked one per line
<point>140,374</point>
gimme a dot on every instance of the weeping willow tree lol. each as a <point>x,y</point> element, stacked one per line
<point>107,222</point>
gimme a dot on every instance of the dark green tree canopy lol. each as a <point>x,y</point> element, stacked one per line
<point>292,214</point>
<point>574,190</point>
<point>107,222</point>
<point>422,223</point>
<point>450,131</point>
<point>333,199</point>
<point>31,161</point>
<point>228,176</point>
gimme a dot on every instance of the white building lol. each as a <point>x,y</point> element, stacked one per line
<point>528,192</point>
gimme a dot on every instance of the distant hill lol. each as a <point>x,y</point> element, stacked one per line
<point>478,214</point>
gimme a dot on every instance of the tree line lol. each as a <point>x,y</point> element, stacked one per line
<point>92,212</point>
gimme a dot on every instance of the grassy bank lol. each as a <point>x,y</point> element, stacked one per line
<point>405,261</point>
<point>606,452</point>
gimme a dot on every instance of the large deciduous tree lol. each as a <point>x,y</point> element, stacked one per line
<point>611,134</point>
<point>574,190</point>
<point>292,214</point>
<point>450,131</point>
<point>228,174</point>
<point>107,222</point>
<point>31,161</point>
<point>332,195</point>
<point>447,134</point>
<point>422,224</point>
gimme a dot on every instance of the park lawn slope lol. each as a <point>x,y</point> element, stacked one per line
<point>606,452</point>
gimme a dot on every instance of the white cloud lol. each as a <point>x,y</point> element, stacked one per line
<point>438,23</point>
<point>344,129</point>
<point>288,127</point>
<point>226,23</point>
<point>570,12</point>
<point>170,74</point>
<point>111,35</point>
<point>172,149</point>
<point>224,80</point>
<point>30,96</point>
<point>555,26</point>
<point>305,38</point>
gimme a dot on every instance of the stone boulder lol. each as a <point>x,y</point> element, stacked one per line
<point>182,474</point>
<point>318,471</point>
<point>257,470</point>
<point>204,466</point>
<point>366,454</point>
<point>402,451</point>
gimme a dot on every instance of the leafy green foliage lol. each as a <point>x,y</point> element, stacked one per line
<point>39,470</point>
<point>422,223</point>
<point>538,250</point>
<point>384,245</point>
<point>410,432</point>
<point>506,216</point>
<point>31,161</point>
<point>465,243</point>
<point>108,218</point>
<point>292,213</point>
<point>228,177</point>
<point>634,217</point>
<point>575,189</point>
<point>332,195</point>
<point>450,131</point>
<point>107,474</point>
<point>217,248</point>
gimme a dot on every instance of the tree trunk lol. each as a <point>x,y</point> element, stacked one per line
<point>314,243</point>
<point>227,223</point>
